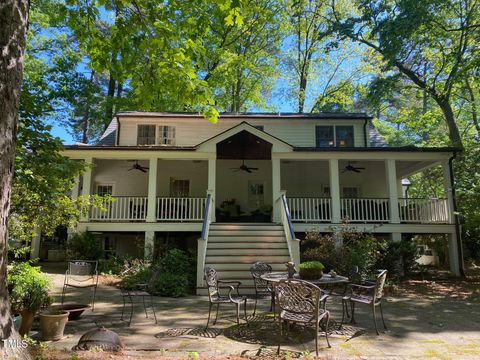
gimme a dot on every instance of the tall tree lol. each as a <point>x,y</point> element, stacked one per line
<point>239,62</point>
<point>14,20</point>
<point>432,43</point>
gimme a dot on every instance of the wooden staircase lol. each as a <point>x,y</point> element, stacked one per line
<point>233,247</point>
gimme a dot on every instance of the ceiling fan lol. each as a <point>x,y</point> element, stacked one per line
<point>137,166</point>
<point>350,167</point>
<point>244,167</point>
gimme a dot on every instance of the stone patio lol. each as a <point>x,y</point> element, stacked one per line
<point>420,325</point>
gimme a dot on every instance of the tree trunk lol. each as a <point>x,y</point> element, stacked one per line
<point>110,96</point>
<point>14,20</point>
<point>449,116</point>
<point>473,105</point>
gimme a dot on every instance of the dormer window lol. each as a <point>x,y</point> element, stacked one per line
<point>330,136</point>
<point>146,135</point>
<point>155,135</point>
<point>166,135</point>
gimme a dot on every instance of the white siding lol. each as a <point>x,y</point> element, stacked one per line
<point>190,132</point>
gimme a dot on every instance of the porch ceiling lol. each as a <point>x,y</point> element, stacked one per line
<point>244,145</point>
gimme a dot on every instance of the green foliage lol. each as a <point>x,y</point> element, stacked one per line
<point>176,274</point>
<point>28,286</point>
<point>357,249</point>
<point>113,265</point>
<point>84,246</point>
<point>398,257</point>
<point>140,274</point>
<point>317,265</point>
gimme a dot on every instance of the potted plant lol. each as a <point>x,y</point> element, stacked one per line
<point>263,213</point>
<point>52,324</point>
<point>311,270</point>
<point>29,291</point>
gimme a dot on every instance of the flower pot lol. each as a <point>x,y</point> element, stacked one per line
<point>310,274</point>
<point>27,321</point>
<point>74,310</point>
<point>52,324</point>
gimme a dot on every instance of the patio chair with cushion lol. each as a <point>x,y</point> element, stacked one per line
<point>81,274</point>
<point>370,293</point>
<point>263,289</point>
<point>299,302</point>
<point>216,298</point>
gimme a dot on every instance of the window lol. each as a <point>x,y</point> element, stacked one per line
<point>109,247</point>
<point>166,135</point>
<point>324,136</point>
<point>329,136</point>
<point>179,187</point>
<point>344,136</point>
<point>103,189</point>
<point>256,191</point>
<point>146,135</point>
<point>351,192</point>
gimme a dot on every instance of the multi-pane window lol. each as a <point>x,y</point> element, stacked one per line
<point>146,135</point>
<point>330,136</point>
<point>103,190</point>
<point>344,136</point>
<point>351,192</point>
<point>324,136</point>
<point>179,187</point>
<point>166,135</point>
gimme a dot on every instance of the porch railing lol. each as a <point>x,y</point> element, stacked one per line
<point>121,208</point>
<point>365,210</point>
<point>180,209</point>
<point>423,210</point>
<point>310,209</point>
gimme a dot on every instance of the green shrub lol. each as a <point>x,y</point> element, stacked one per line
<point>84,246</point>
<point>176,274</point>
<point>114,265</point>
<point>359,249</point>
<point>28,286</point>
<point>317,265</point>
<point>141,274</point>
<point>398,258</point>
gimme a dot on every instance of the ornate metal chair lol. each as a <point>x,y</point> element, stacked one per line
<point>263,289</point>
<point>370,294</point>
<point>81,274</point>
<point>216,298</point>
<point>299,302</point>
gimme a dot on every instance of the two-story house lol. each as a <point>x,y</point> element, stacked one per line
<point>246,185</point>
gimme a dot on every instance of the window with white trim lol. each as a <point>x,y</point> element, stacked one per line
<point>350,192</point>
<point>334,136</point>
<point>104,189</point>
<point>146,135</point>
<point>179,187</point>
<point>166,135</point>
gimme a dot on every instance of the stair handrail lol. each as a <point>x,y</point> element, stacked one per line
<point>202,248</point>
<point>286,220</point>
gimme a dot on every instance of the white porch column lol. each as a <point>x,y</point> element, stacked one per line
<point>152,191</point>
<point>391,171</point>
<point>275,189</point>
<point>335,190</point>
<point>212,177</point>
<point>75,188</point>
<point>87,184</point>
<point>149,243</point>
<point>396,237</point>
<point>448,186</point>
<point>453,254</point>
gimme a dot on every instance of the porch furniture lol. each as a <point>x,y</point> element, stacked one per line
<point>140,293</point>
<point>370,294</point>
<point>216,298</point>
<point>263,288</point>
<point>299,302</point>
<point>81,274</point>
<point>325,280</point>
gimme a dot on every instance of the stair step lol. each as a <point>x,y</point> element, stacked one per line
<point>229,266</point>
<point>222,259</point>
<point>249,245</point>
<point>246,251</point>
<point>236,226</point>
<point>246,239</point>
<point>241,233</point>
